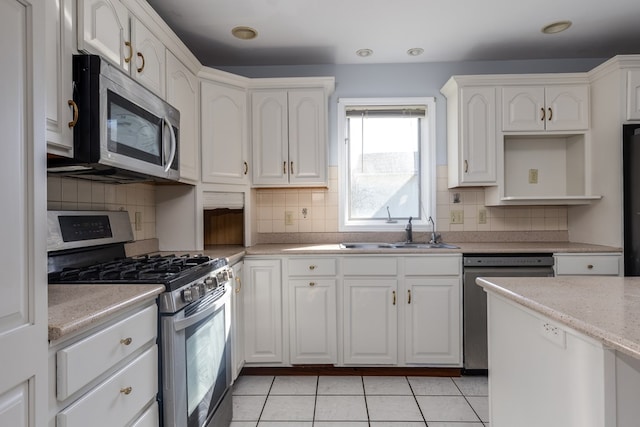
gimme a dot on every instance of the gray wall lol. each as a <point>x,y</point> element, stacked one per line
<point>398,80</point>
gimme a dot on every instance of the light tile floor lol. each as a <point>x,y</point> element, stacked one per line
<point>352,401</point>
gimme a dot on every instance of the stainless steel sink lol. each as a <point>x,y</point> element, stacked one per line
<point>398,245</point>
<point>408,245</point>
<point>366,245</point>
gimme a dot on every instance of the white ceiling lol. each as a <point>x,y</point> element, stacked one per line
<point>297,32</point>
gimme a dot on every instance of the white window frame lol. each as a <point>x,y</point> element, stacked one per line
<point>427,165</point>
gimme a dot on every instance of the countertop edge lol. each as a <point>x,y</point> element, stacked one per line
<point>82,312</point>
<point>607,338</point>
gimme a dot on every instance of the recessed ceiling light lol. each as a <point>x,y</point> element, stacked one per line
<point>244,33</point>
<point>556,27</point>
<point>364,52</point>
<point>416,51</point>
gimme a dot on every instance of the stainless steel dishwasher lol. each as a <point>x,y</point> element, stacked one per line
<point>475,299</point>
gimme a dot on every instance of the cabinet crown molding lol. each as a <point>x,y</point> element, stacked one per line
<point>327,83</point>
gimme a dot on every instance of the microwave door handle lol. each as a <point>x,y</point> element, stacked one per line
<point>172,152</point>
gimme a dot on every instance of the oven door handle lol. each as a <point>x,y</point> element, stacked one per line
<point>181,324</point>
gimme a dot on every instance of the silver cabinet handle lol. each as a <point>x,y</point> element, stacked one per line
<point>126,391</point>
<point>126,341</point>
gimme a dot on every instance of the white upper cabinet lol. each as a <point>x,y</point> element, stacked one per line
<point>289,136</point>
<point>224,134</point>
<point>471,134</point>
<point>105,27</point>
<point>545,108</point>
<point>183,94</point>
<point>59,50</point>
<point>633,94</point>
<point>147,58</point>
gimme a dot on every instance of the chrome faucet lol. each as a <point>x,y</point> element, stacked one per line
<point>409,231</point>
<point>434,236</point>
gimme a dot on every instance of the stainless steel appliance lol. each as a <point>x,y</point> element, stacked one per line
<point>474,300</point>
<point>194,326</point>
<point>123,133</point>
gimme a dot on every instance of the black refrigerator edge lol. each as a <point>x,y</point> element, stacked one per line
<point>631,195</point>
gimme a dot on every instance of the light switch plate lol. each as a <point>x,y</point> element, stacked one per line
<point>533,176</point>
<point>288,218</point>
<point>457,217</point>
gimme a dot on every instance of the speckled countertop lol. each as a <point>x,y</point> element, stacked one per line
<point>498,247</point>
<point>604,308</point>
<point>75,307</point>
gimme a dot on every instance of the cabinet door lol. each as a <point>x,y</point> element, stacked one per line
<point>237,321</point>
<point>224,142</point>
<point>23,306</point>
<point>432,329</point>
<point>269,116</point>
<point>633,95</point>
<point>307,137</point>
<point>103,28</point>
<point>312,304</point>
<point>478,135</point>
<point>523,108</point>
<point>567,107</point>
<point>263,311</point>
<point>370,321</point>
<point>148,62</point>
<point>59,49</point>
<point>183,93</point>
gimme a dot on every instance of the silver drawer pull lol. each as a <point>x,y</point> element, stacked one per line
<point>126,391</point>
<point>126,341</point>
<point>590,266</point>
<point>312,283</point>
<point>312,267</point>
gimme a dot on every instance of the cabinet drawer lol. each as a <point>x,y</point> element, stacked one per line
<point>85,360</point>
<point>117,400</point>
<point>435,265</point>
<point>150,417</point>
<point>370,266</point>
<point>606,265</point>
<point>312,267</point>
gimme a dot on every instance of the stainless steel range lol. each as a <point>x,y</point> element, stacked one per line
<point>194,327</point>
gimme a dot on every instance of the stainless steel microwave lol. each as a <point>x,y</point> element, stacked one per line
<point>124,132</point>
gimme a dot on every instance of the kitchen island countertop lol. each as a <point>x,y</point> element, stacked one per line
<point>604,308</point>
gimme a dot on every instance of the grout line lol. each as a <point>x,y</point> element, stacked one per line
<point>416,400</point>
<point>265,400</point>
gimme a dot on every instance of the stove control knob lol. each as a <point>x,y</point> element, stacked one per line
<point>202,289</point>
<point>210,283</point>
<point>187,295</point>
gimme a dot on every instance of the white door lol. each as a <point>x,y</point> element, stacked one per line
<point>263,311</point>
<point>312,308</point>
<point>270,137</point>
<point>182,93</point>
<point>103,29</point>
<point>567,107</point>
<point>523,108</point>
<point>478,139</point>
<point>633,94</point>
<point>23,304</point>
<point>148,63</point>
<point>224,129</point>
<point>59,50</point>
<point>370,321</point>
<point>432,321</point>
<point>307,137</point>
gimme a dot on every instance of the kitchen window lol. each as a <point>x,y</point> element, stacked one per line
<point>386,163</point>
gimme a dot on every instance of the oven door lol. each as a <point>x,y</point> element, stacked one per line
<point>196,362</point>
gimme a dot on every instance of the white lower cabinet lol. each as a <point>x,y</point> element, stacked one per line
<point>594,264</point>
<point>237,320</point>
<point>370,321</point>
<point>263,311</point>
<point>107,375</point>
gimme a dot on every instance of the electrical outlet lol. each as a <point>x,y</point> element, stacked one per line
<point>482,216</point>
<point>533,176</point>
<point>138,220</point>
<point>553,333</point>
<point>288,218</point>
<point>457,217</point>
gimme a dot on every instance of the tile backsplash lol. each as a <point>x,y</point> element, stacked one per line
<point>322,210</point>
<point>78,194</point>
